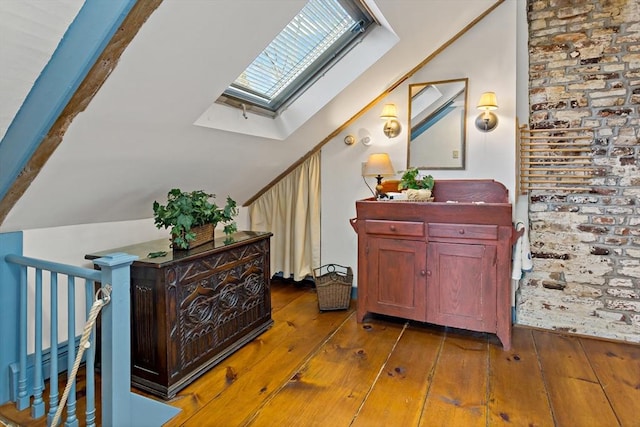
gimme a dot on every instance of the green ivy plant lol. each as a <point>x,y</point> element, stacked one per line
<point>410,180</point>
<point>186,210</point>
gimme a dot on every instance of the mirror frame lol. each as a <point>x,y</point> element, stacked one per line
<point>463,142</point>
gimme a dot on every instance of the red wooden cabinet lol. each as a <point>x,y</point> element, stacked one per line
<point>461,291</point>
<point>397,277</point>
<point>445,262</point>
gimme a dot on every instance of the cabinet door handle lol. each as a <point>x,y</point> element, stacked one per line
<point>429,273</point>
<point>423,273</point>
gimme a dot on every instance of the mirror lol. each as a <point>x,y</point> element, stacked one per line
<point>437,125</point>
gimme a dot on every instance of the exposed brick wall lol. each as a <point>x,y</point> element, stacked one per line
<point>585,72</point>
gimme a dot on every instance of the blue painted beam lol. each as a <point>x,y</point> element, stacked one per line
<point>82,44</point>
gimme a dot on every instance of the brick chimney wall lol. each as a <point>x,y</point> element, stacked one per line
<point>585,72</point>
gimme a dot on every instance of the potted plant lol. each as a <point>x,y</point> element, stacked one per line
<point>192,217</point>
<point>417,187</point>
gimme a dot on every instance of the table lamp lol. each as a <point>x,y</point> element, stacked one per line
<point>378,165</point>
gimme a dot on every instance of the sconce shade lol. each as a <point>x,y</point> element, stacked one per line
<point>378,164</point>
<point>488,101</point>
<point>392,126</point>
<point>487,121</point>
<point>389,112</point>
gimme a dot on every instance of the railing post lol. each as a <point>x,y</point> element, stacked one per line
<point>116,342</point>
<point>9,298</point>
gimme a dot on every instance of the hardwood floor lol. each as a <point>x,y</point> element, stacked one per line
<point>325,369</point>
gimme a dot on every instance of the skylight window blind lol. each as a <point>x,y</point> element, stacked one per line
<point>310,42</point>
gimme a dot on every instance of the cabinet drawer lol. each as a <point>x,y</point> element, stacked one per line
<point>464,231</point>
<point>394,228</point>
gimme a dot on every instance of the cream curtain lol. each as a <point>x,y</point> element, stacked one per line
<point>291,211</point>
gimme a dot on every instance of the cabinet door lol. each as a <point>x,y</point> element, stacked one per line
<point>397,277</point>
<point>461,286</point>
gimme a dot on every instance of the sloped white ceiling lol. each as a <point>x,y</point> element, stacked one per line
<point>29,33</point>
<point>137,140</point>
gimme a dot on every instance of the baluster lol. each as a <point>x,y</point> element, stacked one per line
<point>22,402</point>
<point>37,408</point>
<point>53,373</point>
<point>90,360</point>
<point>72,420</point>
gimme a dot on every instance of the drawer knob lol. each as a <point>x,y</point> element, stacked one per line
<point>461,231</point>
<point>392,227</point>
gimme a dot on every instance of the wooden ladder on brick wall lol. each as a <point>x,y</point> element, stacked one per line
<point>555,159</point>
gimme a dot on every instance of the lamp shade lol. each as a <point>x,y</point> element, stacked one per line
<point>488,101</point>
<point>378,164</point>
<point>389,112</point>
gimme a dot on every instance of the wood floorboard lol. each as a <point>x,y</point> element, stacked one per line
<point>457,394</point>
<point>331,385</point>
<point>315,368</point>
<point>398,396</point>
<point>618,370</point>
<point>569,379</point>
<point>517,395</point>
<point>283,295</point>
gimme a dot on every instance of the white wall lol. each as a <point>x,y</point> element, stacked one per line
<point>486,55</point>
<point>69,244</point>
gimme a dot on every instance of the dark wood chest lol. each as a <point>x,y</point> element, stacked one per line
<point>191,309</point>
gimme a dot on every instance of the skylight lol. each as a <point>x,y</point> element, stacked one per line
<point>319,35</point>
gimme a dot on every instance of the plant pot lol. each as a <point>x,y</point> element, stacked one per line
<point>421,194</point>
<point>204,234</point>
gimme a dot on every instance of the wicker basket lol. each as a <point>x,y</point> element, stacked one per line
<point>333,284</point>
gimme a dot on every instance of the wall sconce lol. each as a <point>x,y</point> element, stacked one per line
<point>378,165</point>
<point>487,121</point>
<point>392,125</point>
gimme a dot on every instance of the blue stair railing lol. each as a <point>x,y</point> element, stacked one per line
<point>119,406</point>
